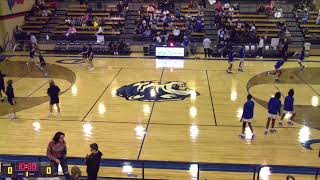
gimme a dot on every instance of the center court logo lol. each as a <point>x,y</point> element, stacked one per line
<point>156,91</point>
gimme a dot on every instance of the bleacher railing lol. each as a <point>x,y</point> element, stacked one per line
<point>199,167</point>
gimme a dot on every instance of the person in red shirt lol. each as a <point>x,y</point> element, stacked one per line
<point>57,152</point>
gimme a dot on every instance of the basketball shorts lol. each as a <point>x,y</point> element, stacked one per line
<point>286,112</point>
<point>54,101</point>
<point>247,120</point>
<point>272,116</point>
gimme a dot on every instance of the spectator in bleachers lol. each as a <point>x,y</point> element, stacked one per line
<point>147,32</point>
<point>71,33</point>
<point>121,9</point>
<point>150,9</point>
<point>176,33</point>
<point>318,20</point>
<point>100,30</point>
<point>198,26</point>
<point>33,39</point>
<point>304,17</point>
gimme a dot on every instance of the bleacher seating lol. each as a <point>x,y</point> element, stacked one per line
<point>310,29</point>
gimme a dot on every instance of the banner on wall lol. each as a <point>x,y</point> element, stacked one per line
<point>11,3</point>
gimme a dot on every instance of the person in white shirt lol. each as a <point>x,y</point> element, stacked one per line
<point>260,47</point>
<point>176,33</point>
<point>100,30</point>
<point>207,47</point>
<point>33,40</point>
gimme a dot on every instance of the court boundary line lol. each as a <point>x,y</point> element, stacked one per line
<point>154,57</point>
<point>149,119</point>
<point>211,98</point>
<point>123,122</point>
<point>307,84</point>
<point>276,86</point>
<point>38,88</point>
<point>83,119</point>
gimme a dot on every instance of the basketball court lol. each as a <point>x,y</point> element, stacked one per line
<point>200,127</point>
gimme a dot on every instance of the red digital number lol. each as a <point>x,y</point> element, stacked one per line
<point>21,166</point>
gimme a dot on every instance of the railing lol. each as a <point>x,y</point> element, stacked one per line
<point>176,165</point>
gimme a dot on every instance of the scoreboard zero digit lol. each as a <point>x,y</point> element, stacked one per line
<point>27,169</point>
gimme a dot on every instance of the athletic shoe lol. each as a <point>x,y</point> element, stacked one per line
<point>302,68</point>
<point>253,136</point>
<point>49,115</point>
<point>266,132</point>
<point>273,130</point>
<point>290,123</point>
<point>257,57</point>
<point>240,70</point>
<point>280,124</point>
<point>228,71</point>
<point>242,136</point>
<point>261,57</point>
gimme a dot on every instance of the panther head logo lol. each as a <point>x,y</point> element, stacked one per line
<point>156,91</point>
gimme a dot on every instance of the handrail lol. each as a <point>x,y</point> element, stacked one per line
<point>174,165</point>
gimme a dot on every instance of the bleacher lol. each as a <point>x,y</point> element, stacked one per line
<point>310,29</point>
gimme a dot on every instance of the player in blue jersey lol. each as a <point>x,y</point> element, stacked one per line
<point>274,108</point>
<point>241,59</point>
<point>277,72</point>
<point>301,56</point>
<point>247,116</point>
<point>288,108</point>
<point>230,60</point>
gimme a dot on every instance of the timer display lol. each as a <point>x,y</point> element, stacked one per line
<point>27,169</point>
<point>27,166</point>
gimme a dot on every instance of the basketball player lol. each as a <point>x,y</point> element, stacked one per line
<point>84,55</point>
<point>277,72</point>
<point>42,64</point>
<point>241,59</point>
<point>231,60</point>
<point>53,92</point>
<point>2,86</point>
<point>11,99</point>
<point>288,108</point>
<point>274,108</point>
<point>90,58</point>
<point>247,116</point>
<point>301,58</point>
<point>32,51</point>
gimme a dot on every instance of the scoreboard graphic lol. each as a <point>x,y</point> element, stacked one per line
<point>27,169</point>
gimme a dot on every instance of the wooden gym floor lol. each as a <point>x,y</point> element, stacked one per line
<point>201,128</point>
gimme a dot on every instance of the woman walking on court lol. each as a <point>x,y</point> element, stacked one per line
<point>57,152</point>
<point>53,92</point>
<point>11,99</point>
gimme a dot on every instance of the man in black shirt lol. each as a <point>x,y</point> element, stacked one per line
<point>11,99</point>
<point>2,87</point>
<point>53,93</point>
<point>93,162</point>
